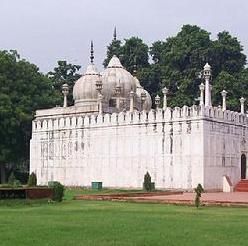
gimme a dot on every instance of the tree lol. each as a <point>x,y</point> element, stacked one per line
<point>64,73</point>
<point>226,54</point>
<point>182,57</point>
<point>23,90</point>
<point>151,79</point>
<point>147,182</point>
<point>114,48</point>
<point>198,190</point>
<point>134,54</point>
<point>32,180</point>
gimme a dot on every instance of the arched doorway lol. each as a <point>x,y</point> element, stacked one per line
<point>243,166</point>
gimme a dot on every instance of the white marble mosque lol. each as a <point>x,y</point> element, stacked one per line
<point>112,135</point>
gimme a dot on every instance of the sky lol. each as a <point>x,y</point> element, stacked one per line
<point>45,31</point>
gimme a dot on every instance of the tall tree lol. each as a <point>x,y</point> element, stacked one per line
<point>64,73</point>
<point>182,57</point>
<point>226,54</point>
<point>23,90</point>
<point>114,48</point>
<point>134,54</point>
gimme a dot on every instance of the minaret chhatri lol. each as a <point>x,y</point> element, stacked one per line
<point>207,77</point>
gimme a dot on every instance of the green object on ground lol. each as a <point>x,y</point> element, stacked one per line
<point>58,190</point>
<point>32,180</point>
<point>104,223</point>
<point>147,184</point>
<point>96,185</point>
<point>152,186</point>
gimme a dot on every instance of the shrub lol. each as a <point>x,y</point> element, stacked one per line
<point>198,190</point>
<point>13,181</point>
<point>147,185</point>
<point>11,178</point>
<point>32,180</point>
<point>58,190</point>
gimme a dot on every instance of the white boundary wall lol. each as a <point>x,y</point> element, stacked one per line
<point>180,147</point>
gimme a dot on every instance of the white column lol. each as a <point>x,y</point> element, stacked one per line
<point>207,92</point>
<point>242,105</point>
<point>157,102</point>
<point>131,101</point>
<point>201,86</point>
<point>207,76</point>
<point>223,94</point>
<point>165,91</point>
<point>65,101</point>
<point>100,97</point>
<point>143,99</point>
<point>118,92</point>
<point>210,95</point>
<point>65,92</point>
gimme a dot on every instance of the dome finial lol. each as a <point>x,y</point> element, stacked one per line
<point>114,34</point>
<point>135,66</point>
<point>91,52</point>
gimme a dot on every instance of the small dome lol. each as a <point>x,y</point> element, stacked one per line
<point>139,91</point>
<point>84,90</point>
<point>114,62</point>
<point>115,75</point>
<point>207,67</point>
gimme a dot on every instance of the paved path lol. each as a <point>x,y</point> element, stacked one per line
<point>217,198</point>
<point>207,198</point>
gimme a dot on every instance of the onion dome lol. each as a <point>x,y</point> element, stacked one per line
<point>115,75</point>
<point>84,90</point>
<point>139,91</point>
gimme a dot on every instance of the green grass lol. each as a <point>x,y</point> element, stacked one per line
<point>70,193</point>
<point>75,223</point>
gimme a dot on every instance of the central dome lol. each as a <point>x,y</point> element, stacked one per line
<point>116,75</point>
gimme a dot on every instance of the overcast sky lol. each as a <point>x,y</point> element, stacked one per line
<point>44,31</point>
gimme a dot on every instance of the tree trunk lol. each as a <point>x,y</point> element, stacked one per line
<point>2,174</point>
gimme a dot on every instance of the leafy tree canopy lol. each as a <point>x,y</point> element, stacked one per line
<point>114,48</point>
<point>64,73</point>
<point>132,54</point>
<point>23,90</point>
<point>179,59</point>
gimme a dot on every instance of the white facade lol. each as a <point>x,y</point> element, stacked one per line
<point>179,148</point>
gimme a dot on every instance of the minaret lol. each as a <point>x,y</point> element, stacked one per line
<point>223,94</point>
<point>131,101</point>
<point>65,92</point>
<point>201,86</point>
<point>91,52</point>
<point>165,92</point>
<point>242,105</point>
<point>157,102</point>
<point>207,77</point>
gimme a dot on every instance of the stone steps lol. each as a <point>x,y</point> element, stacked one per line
<point>242,186</point>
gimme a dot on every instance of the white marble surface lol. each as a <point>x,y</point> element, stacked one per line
<point>179,148</point>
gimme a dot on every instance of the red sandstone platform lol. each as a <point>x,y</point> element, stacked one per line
<point>218,198</point>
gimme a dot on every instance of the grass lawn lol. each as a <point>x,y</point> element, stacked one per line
<point>118,223</point>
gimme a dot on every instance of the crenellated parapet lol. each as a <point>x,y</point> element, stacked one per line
<point>216,113</point>
<point>177,114</point>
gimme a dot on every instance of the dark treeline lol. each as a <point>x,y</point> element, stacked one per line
<point>175,62</point>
